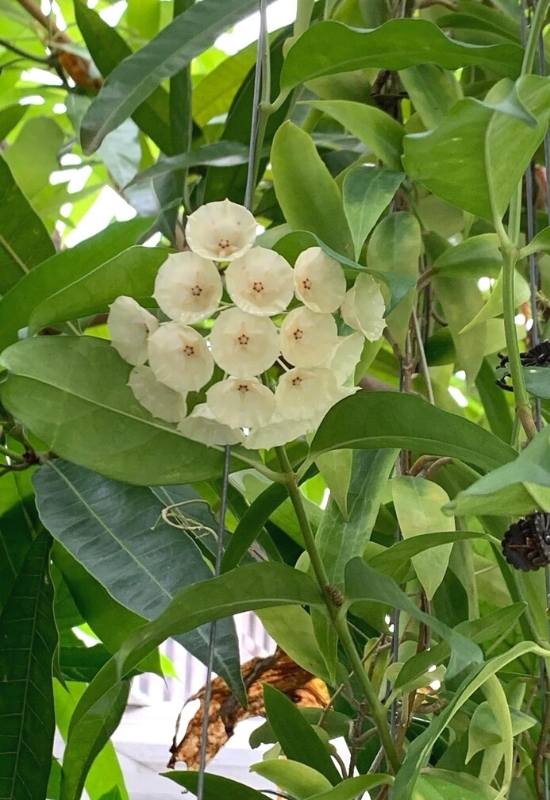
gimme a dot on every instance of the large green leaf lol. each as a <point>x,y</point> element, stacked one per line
<point>131,273</point>
<point>388,419</point>
<point>381,133</point>
<point>108,49</point>
<point>29,639</point>
<point>432,90</point>
<point>495,405</point>
<point>215,91</point>
<point>116,532</point>
<point>293,777</point>
<point>474,257</point>
<point>102,426</point>
<point>292,628</point>
<point>215,786</point>
<point>354,787</point>
<point>365,584</point>
<point>461,160</point>
<point>18,527</point>
<point>218,154</point>
<point>10,116</point>
<point>307,193</point>
<point>24,241</point>
<point>52,275</point>
<point>330,47</point>
<point>298,739</point>
<point>367,192</point>
<point>250,587</point>
<point>136,77</point>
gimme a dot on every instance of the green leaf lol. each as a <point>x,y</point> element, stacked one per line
<point>116,532</point>
<point>418,503</point>
<point>215,786</point>
<point>330,47</point>
<point>136,77</point>
<point>214,93</point>
<point>432,90</point>
<point>515,489</point>
<point>364,583</point>
<point>143,17</point>
<point>367,192</point>
<point>10,116</point>
<point>459,298</point>
<point>439,784</point>
<point>537,381</point>
<point>103,427</point>
<point>494,402</point>
<point>18,527</point>
<point>29,639</point>
<point>307,193</point>
<point>218,154</point>
<point>538,244</point>
<point>131,273</point>
<point>493,306</point>
<point>461,160</point>
<point>24,241</point>
<point>250,587</point>
<point>52,275</point>
<point>298,739</point>
<point>291,627</point>
<point>293,777</point>
<point>475,257</point>
<point>485,728</point>
<point>395,247</point>
<point>354,787</point>
<point>333,723</point>
<point>388,419</point>
<point>335,467</point>
<point>381,133</point>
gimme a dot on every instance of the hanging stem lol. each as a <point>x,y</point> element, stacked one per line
<point>338,615</point>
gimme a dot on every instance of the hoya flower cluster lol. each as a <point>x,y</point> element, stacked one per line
<point>245,400</point>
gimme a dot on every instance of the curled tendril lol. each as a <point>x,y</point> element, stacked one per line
<point>174,516</point>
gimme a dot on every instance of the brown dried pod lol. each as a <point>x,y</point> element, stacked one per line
<point>526,543</point>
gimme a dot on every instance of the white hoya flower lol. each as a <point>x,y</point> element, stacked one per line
<point>308,393</point>
<point>130,326</point>
<point>277,432</point>
<point>179,357</point>
<point>158,399</point>
<point>221,231</point>
<point>244,345</point>
<point>202,426</point>
<point>241,402</point>
<point>319,281</point>
<point>346,356</point>
<point>188,288</point>
<point>363,308</point>
<point>260,282</point>
<point>307,338</point>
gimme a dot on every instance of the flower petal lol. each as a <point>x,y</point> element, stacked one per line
<point>241,402</point>
<point>153,395</point>
<point>277,432</point>
<point>130,326</point>
<point>242,344</point>
<point>188,288</point>
<point>363,308</point>
<point>307,338</point>
<point>346,356</point>
<point>202,426</point>
<point>306,394</point>
<point>260,282</point>
<point>319,281</point>
<point>221,231</point>
<point>179,357</point>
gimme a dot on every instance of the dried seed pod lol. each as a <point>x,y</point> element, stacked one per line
<point>537,356</point>
<point>526,543</point>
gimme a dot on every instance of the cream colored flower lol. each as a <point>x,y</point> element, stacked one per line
<point>363,308</point>
<point>260,282</point>
<point>158,399</point>
<point>130,326</point>
<point>241,402</point>
<point>277,432</point>
<point>201,426</point>
<point>242,344</point>
<point>179,357</point>
<point>319,281</point>
<point>308,393</point>
<point>188,288</point>
<point>221,231</point>
<point>346,356</point>
<point>307,338</point>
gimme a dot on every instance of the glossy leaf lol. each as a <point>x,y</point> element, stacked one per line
<point>493,306</point>
<point>136,77</point>
<point>29,639</point>
<point>214,93</point>
<point>293,777</point>
<point>350,788</point>
<point>330,47</point>
<point>297,737</point>
<point>251,523</point>
<point>109,431</point>
<point>382,134</point>
<point>461,298</point>
<point>10,116</point>
<point>215,786</point>
<point>118,535</point>
<point>537,381</point>
<point>335,467</point>
<point>432,90</point>
<point>474,257</point>
<point>387,419</point>
<point>18,527</point>
<point>218,154</point>
<point>308,195</point>
<point>367,192</point>
<point>55,273</point>
<point>291,627</point>
<point>437,784</point>
<point>24,241</point>
<point>494,402</point>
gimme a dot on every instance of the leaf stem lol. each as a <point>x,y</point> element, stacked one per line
<point>338,614</point>
<point>535,30</point>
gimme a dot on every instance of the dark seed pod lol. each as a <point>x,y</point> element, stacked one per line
<point>537,356</point>
<point>526,543</point>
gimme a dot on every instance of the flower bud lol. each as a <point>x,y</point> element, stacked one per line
<point>130,326</point>
<point>363,308</point>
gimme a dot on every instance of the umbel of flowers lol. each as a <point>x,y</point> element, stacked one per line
<point>279,370</point>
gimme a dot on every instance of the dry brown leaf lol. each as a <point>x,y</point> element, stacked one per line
<point>225,711</point>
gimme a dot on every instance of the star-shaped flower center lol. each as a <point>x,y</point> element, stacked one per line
<point>243,338</point>
<point>189,350</point>
<point>258,287</point>
<point>298,334</point>
<point>243,388</point>
<point>306,283</point>
<point>196,290</point>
